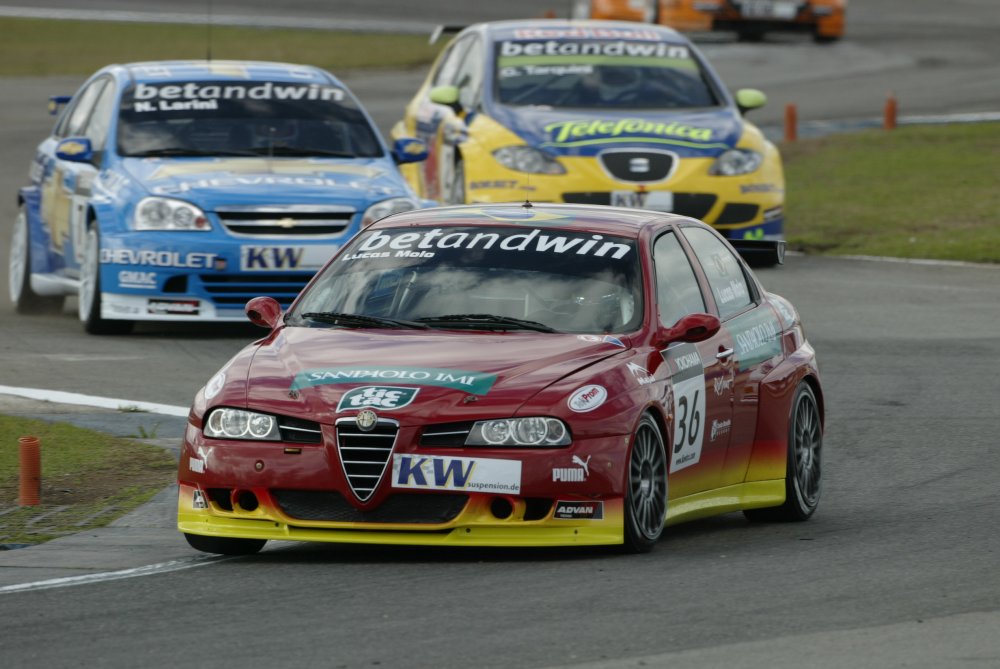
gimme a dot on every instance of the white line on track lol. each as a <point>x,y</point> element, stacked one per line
<point>314,23</point>
<point>61,397</point>
<point>147,570</point>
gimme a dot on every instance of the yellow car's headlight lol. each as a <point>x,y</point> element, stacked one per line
<point>528,159</point>
<point>735,162</point>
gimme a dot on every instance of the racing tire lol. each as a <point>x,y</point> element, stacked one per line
<point>646,488</point>
<point>804,460</point>
<point>26,301</point>
<point>89,299</point>
<point>224,545</point>
<point>456,194</point>
<point>825,39</point>
<point>752,35</point>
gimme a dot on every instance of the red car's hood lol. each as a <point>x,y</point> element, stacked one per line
<point>311,373</point>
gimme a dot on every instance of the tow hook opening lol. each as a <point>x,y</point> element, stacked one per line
<point>501,508</point>
<point>245,500</point>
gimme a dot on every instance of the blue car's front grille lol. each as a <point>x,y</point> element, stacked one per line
<point>289,221</point>
<point>237,290</point>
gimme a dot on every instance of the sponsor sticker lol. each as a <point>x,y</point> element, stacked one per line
<point>723,384</point>
<point>576,474</point>
<point>424,243</point>
<point>720,428</point>
<point>587,131</point>
<point>567,510</point>
<point>386,398</point>
<point>687,374</point>
<point>757,336</point>
<point>198,500</point>
<point>120,256</point>
<point>284,258</point>
<point>433,472</point>
<point>214,385</point>
<point>641,374</point>
<point>599,339</point>
<point>173,307</point>
<point>478,185</point>
<point>196,465</point>
<point>206,96</point>
<point>587,398</point>
<point>133,279</point>
<point>735,291</point>
<point>612,49</point>
<point>657,200</point>
<point>475,383</point>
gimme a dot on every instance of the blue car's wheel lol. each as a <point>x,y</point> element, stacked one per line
<point>26,301</point>
<point>89,300</point>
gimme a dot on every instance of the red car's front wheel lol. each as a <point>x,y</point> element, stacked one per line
<point>646,496</point>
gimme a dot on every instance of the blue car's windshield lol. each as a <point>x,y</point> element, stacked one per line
<point>275,118</point>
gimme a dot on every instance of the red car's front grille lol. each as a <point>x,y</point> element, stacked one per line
<point>365,454</point>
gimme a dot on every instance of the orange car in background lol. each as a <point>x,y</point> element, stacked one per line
<point>750,19</point>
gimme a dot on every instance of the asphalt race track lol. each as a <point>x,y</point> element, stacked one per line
<point>897,568</point>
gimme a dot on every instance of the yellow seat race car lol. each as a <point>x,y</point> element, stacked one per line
<point>593,112</point>
<point>750,19</point>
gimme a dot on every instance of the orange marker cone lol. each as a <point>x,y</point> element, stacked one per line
<point>31,471</point>
<point>791,123</point>
<point>889,118</point>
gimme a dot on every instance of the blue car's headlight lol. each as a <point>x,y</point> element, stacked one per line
<point>226,423</point>
<point>735,162</point>
<point>161,213</point>
<point>531,431</point>
<point>384,208</point>
<point>528,159</point>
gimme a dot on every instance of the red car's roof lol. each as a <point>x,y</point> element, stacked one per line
<point>591,218</point>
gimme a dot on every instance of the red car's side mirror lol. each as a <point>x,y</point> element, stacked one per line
<point>264,311</point>
<point>691,328</point>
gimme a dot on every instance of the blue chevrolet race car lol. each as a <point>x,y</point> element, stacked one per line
<point>177,191</point>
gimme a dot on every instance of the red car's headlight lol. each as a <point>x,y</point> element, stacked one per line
<point>226,423</point>
<point>532,431</point>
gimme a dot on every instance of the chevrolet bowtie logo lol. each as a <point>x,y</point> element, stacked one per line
<point>286,222</point>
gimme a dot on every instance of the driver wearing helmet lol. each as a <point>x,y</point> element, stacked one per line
<point>607,84</point>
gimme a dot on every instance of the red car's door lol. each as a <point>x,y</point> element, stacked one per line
<point>753,333</point>
<point>700,377</point>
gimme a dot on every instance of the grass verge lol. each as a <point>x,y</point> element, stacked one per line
<point>39,47</point>
<point>914,192</point>
<point>88,479</point>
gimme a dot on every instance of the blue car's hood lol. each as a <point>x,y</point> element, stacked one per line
<point>564,132</point>
<point>211,182</point>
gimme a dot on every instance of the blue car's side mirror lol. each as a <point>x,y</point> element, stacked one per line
<point>56,103</point>
<point>409,150</point>
<point>75,150</point>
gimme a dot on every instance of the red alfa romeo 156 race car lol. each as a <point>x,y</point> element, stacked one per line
<point>506,375</point>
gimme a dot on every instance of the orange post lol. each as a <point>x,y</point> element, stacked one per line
<point>889,117</point>
<point>31,471</point>
<point>791,123</point>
